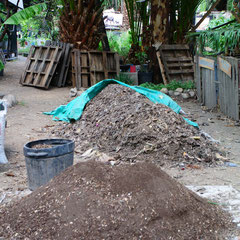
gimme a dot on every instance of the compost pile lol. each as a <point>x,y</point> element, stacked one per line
<point>129,127</point>
<point>93,200</point>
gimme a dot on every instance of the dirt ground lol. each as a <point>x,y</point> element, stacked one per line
<point>25,123</point>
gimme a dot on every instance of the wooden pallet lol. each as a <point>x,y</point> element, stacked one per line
<point>60,76</point>
<point>40,66</point>
<point>177,61</point>
<point>88,68</point>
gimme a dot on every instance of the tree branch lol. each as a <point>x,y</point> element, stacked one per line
<point>206,15</point>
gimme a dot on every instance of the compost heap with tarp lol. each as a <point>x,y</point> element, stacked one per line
<point>93,200</point>
<point>128,127</point>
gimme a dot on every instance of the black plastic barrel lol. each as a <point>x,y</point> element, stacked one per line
<point>45,163</point>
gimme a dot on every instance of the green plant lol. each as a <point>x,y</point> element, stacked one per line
<point>142,57</point>
<point>1,65</point>
<point>124,78</point>
<point>222,39</point>
<point>173,85</point>
<point>26,14</point>
<point>120,43</point>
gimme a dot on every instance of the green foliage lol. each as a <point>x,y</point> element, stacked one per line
<point>24,50</point>
<point>139,16</point>
<point>182,14</point>
<point>120,43</point>
<point>173,85</point>
<point>26,14</point>
<point>1,65</point>
<point>124,78</point>
<point>142,57</point>
<point>222,39</point>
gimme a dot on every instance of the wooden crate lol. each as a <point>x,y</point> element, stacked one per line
<point>88,68</point>
<point>177,61</point>
<point>40,66</point>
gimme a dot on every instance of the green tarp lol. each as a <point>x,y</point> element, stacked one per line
<point>73,110</point>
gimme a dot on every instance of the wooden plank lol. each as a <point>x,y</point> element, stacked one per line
<point>116,57</point>
<point>176,59</point>
<point>65,63</point>
<point>35,63</point>
<point>180,71</point>
<point>225,66</point>
<point>174,47</point>
<point>161,67</point>
<point>164,59</point>
<point>206,63</point>
<point>27,64</point>
<point>180,64</point>
<point>78,72</point>
<point>92,71</point>
<point>73,69</point>
<point>105,65</point>
<point>40,70</point>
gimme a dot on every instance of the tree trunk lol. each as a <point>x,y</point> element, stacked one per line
<point>160,22</point>
<point>5,26</point>
<point>104,38</point>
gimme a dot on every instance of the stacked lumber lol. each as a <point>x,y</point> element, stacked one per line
<point>50,64</point>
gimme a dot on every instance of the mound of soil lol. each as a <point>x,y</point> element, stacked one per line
<point>93,200</point>
<point>129,127</point>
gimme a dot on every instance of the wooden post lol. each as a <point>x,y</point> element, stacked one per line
<point>161,68</point>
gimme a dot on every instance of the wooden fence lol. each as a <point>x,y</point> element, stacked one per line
<point>228,75</point>
<point>206,81</point>
<point>217,82</point>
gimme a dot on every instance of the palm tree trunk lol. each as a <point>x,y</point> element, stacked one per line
<point>160,22</point>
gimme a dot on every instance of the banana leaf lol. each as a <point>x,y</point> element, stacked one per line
<point>25,14</point>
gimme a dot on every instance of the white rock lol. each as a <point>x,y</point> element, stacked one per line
<point>180,90</point>
<point>73,92</point>
<point>164,90</point>
<point>185,95</point>
<point>10,99</point>
<point>192,93</point>
<point>170,92</point>
<point>177,93</point>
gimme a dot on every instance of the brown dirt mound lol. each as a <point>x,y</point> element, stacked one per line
<point>93,200</point>
<point>130,127</point>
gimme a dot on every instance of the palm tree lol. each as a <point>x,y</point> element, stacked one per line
<point>81,23</point>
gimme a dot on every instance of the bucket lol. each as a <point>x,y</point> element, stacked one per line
<point>47,158</point>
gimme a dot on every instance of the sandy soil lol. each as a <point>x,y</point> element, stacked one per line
<point>25,123</point>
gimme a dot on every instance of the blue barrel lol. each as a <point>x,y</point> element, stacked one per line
<point>45,163</point>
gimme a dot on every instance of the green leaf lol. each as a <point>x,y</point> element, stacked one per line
<point>1,65</point>
<point>25,14</point>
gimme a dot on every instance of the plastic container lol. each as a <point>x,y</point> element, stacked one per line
<point>47,161</point>
<point>3,113</point>
<point>144,77</point>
